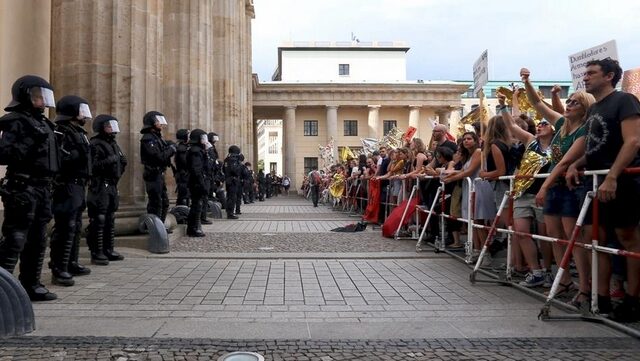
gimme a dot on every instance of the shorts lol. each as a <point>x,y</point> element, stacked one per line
<point>624,210</point>
<point>525,207</point>
<point>564,202</point>
<point>499,189</point>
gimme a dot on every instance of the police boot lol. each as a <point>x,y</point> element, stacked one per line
<point>110,240</point>
<point>230,215</point>
<point>31,262</point>
<point>8,256</point>
<point>75,268</point>
<point>96,235</point>
<point>203,215</point>
<point>60,255</point>
<point>193,226</point>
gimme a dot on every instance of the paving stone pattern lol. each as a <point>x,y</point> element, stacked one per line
<point>347,290</point>
<point>123,349</point>
<point>267,241</point>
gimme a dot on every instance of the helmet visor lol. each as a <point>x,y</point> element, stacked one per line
<point>84,112</point>
<point>204,139</point>
<point>216,138</point>
<point>42,97</point>
<point>111,125</point>
<point>161,120</point>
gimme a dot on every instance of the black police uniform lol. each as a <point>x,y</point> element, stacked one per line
<point>69,193</point>
<point>182,174</point>
<point>267,185</point>
<point>198,165</point>
<point>241,184</point>
<point>249,194</point>
<point>261,185</point>
<point>108,164</point>
<point>233,172</point>
<point>29,148</point>
<point>155,154</point>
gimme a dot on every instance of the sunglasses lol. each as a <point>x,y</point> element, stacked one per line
<point>572,102</point>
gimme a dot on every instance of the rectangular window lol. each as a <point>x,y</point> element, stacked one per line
<point>273,143</point>
<point>350,128</point>
<point>343,69</point>
<point>387,125</point>
<point>311,128</point>
<point>273,167</point>
<point>309,164</point>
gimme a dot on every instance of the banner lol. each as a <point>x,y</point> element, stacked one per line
<point>480,72</point>
<point>411,131</point>
<point>578,61</point>
<point>631,82</point>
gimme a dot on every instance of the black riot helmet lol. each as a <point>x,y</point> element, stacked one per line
<point>105,124</point>
<point>196,136</point>
<point>151,119</point>
<point>213,137</point>
<point>182,134</point>
<point>234,149</point>
<point>72,107</point>
<point>31,92</point>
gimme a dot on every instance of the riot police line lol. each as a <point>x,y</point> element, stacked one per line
<point>55,171</point>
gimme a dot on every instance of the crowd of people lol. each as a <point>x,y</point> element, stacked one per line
<point>596,129</point>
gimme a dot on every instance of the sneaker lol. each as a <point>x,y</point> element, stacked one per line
<point>487,261</point>
<point>532,280</point>
<point>627,311</point>
<point>617,294</point>
<point>548,279</point>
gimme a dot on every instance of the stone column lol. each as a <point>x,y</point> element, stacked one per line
<point>229,78</point>
<point>374,121</point>
<point>25,40</point>
<point>332,128</point>
<point>26,45</point>
<point>187,95</point>
<point>414,117</point>
<point>289,143</point>
<point>110,52</point>
<point>443,117</point>
<point>246,72</point>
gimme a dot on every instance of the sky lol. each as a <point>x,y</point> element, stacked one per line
<point>447,36</point>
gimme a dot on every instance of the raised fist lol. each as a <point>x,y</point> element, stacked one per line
<point>556,89</point>
<point>524,74</point>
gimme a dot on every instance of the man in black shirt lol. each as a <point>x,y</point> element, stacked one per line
<point>613,142</point>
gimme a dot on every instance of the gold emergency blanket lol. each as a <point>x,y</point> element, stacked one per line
<point>336,188</point>
<point>530,165</point>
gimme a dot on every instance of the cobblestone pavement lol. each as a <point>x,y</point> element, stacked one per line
<point>293,242</point>
<point>123,349</point>
<point>200,301</point>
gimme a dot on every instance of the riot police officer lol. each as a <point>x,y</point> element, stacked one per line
<point>261,185</point>
<point>155,154</point>
<point>30,150</point>
<point>241,182</point>
<point>216,191</point>
<point>233,173</point>
<point>72,113</point>
<point>182,174</point>
<point>249,182</point>
<point>108,164</point>
<point>198,164</point>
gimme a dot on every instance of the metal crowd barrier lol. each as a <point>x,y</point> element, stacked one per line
<point>439,246</point>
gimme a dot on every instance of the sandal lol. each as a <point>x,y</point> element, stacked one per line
<point>576,303</point>
<point>455,246</point>
<point>563,288</point>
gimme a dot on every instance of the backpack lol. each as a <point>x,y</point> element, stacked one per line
<point>315,178</point>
